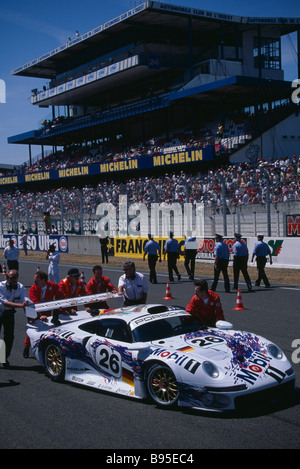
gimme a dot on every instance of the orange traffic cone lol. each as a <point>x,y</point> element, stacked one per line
<point>4,268</point>
<point>168,292</point>
<point>38,268</point>
<point>82,278</point>
<point>239,303</point>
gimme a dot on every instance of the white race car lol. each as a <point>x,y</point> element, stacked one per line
<point>162,352</point>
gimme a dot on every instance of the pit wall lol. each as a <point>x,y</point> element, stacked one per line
<point>285,250</point>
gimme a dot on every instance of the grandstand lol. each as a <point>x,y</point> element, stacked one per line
<point>147,93</point>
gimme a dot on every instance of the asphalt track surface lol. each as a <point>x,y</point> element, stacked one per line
<point>37,413</point>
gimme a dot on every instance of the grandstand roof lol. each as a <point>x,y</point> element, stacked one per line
<point>234,90</point>
<point>156,17</point>
<point>24,138</point>
<point>114,43</point>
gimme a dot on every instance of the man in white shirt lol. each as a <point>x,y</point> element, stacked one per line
<point>132,285</point>
<point>53,270</point>
<point>12,295</point>
<point>11,254</point>
<point>24,235</point>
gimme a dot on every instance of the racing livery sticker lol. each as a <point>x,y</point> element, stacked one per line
<point>109,360</point>
<point>188,364</point>
<point>258,364</point>
<point>207,341</point>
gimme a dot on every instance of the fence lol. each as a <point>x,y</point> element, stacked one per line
<point>248,220</point>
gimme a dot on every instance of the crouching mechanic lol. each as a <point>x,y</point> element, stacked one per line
<point>205,305</point>
<point>12,295</point>
<point>42,291</point>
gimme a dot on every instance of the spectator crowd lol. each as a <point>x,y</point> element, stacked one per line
<point>244,184</point>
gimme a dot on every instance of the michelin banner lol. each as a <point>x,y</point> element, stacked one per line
<point>189,156</point>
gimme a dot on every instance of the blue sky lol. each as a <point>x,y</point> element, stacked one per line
<point>29,28</point>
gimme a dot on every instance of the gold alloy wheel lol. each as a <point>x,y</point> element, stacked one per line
<point>162,385</point>
<point>54,361</point>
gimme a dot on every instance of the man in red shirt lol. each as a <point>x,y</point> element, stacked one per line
<point>205,304</point>
<point>72,287</point>
<point>98,284</point>
<point>42,291</point>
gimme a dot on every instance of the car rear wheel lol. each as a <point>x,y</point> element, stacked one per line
<point>54,362</point>
<point>162,385</point>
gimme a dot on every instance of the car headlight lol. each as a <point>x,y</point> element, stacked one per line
<point>210,369</point>
<point>275,351</point>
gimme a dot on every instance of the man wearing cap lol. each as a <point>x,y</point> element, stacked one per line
<point>152,248</point>
<point>221,254</point>
<point>171,249</point>
<point>72,287</point>
<point>240,262</point>
<point>261,251</point>
<point>132,285</point>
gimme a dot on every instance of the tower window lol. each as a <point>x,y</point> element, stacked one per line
<point>269,55</point>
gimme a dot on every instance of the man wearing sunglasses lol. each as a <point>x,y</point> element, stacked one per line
<point>12,295</point>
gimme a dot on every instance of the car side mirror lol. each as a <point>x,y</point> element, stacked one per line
<point>224,325</point>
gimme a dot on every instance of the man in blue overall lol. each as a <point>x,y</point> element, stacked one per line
<point>261,251</point>
<point>221,254</point>
<point>240,262</point>
<point>172,250</point>
<point>152,248</point>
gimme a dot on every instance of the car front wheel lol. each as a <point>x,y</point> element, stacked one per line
<point>54,362</point>
<point>162,385</point>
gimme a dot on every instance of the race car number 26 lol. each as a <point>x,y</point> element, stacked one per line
<point>109,360</point>
<point>207,341</point>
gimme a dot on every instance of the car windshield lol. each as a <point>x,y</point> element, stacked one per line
<point>166,327</point>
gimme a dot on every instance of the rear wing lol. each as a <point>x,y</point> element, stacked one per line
<point>32,309</point>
